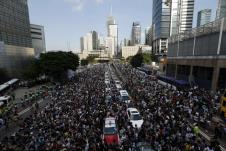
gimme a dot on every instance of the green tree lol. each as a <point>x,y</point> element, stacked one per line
<point>147,58</point>
<point>137,60</point>
<point>56,64</point>
<point>84,62</point>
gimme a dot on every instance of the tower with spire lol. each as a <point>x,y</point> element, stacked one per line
<point>112,34</point>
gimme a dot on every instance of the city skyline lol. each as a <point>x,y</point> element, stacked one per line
<point>75,19</point>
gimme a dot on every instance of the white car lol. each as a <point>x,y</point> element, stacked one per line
<point>135,117</point>
<point>124,96</point>
<point>118,86</point>
<point>107,81</point>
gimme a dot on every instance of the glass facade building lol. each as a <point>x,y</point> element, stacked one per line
<point>181,16</point>
<point>204,17</point>
<point>161,25</point>
<point>136,34</point>
<point>15,23</point>
<point>221,10</point>
<point>161,19</point>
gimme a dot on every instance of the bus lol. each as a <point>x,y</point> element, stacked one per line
<point>179,84</point>
<point>223,105</point>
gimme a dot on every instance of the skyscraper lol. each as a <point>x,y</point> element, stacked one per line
<point>221,10</point>
<point>148,36</point>
<point>89,41</point>
<point>204,17</point>
<point>136,34</point>
<point>38,39</point>
<point>181,16</point>
<point>170,18</point>
<point>95,40</point>
<point>161,25</point>
<point>112,30</point>
<point>15,23</point>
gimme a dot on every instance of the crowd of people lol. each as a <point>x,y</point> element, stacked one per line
<point>171,117</point>
<point>74,118</point>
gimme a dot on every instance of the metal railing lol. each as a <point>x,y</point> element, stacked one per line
<point>206,29</point>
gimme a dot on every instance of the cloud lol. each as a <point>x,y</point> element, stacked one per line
<point>77,5</point>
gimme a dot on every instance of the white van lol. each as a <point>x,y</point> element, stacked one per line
<point>124,96</point>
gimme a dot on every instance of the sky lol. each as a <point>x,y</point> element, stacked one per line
<point>65,21</point>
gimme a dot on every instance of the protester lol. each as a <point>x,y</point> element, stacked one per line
<point>73,120</point>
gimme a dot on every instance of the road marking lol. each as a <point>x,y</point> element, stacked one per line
<point>29,108</point>
<point>222,148</point>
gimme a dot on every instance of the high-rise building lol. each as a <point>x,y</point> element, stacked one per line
<point>181,16</point>
<point>15,23</point>
<point>110,45</point>
<point>204,17</point>
<point>136,34</point>
<point>101,42</point>
<point>221,10</point>
<point>89,41</point>
<point>148,36</point>
<point>95,40</point>
<point>169,19</point>
<point>110,21</point>
<point>38,39</point>
<point>112,30</point>
<point>161,25</point>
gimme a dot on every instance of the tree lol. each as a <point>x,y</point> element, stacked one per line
<point>137,60</point>
<point>147,58</point>
<point>84,62</point>
<point>56,64</point>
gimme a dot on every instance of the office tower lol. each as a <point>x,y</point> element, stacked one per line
<point>170,18</point>
<point>15,23</point>
<point>38,39</point>
<point>110,45</point>
<point>95,40</point>
<point>221,10</point>
<point>148,36</point>
<point>89,41</point>
<point>101,42</point>
<point>161,25</point>
<point>112,30</point>
<point>181,16</point>
<point>204,17</point>
<point>136,34</point>
<point>110,21</point>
